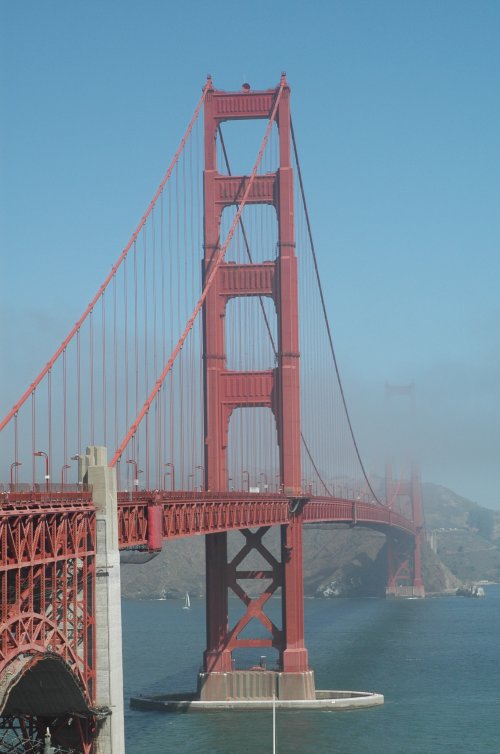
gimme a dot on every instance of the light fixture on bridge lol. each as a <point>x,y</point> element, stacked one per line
<point>78,457</point>
<point>136,472</point>
<point>202,477</point>
<point>63,470</point>
<point>169,473</point>
<point>13,466</point>
<point>42,453</point>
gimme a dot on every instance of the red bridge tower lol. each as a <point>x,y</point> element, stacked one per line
<point>404,571</point>
<point>277,389</point>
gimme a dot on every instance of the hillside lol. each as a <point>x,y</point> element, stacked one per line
<point>463,545</point>
<point>464,535</point>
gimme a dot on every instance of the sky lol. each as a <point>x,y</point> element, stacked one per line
<point>396,108</point>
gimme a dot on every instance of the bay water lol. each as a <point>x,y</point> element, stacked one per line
<point>437,662</point>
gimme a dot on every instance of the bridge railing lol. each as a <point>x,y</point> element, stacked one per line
<point>184,514</point>
<point>36,498</point>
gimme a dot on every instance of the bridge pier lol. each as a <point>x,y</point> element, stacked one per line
<point>94,470</point>
<point>276,389</point>
<point>256,685</point>
<point>404,568</point>
<point>220,681</point>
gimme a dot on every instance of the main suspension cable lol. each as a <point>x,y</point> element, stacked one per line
<point>325,315</point>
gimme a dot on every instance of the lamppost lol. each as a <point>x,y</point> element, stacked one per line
<point>77,458</point>
<point>190,476</point>
<point>243,479</point>
<point>172,474</point>
<point>202,476</point>
<point>13,466</point>
<point>41,453</point>
<point>263,474</point>
<point>66,466</point>
<point>136,473</point>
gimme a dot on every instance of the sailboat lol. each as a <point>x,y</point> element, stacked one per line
<point>187,602</point>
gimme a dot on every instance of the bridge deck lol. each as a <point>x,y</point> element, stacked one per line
<point>185,514</point>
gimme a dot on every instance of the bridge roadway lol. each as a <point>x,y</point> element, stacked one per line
<point>188,513</point>
<point>184,514</point>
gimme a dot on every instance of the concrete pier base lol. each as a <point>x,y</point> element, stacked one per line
<point>335,701</point>
<point>94,471</point>
<point>239,685</point>
<point>296,685</point>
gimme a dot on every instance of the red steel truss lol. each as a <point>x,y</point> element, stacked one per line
<point>187,514</point>
<point>47,577</point>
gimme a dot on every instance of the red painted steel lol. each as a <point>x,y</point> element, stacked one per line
<point>404,556</point>
<point>186,514</point>
<point>277,389</point>
<point>254,604</point>
<point>47,578</point>
<point>189,514</point>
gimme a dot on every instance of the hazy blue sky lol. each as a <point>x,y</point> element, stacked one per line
<point>397,113</point>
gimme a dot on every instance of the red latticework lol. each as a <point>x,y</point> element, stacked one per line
<point>192,513</point>
<point>47,576</point>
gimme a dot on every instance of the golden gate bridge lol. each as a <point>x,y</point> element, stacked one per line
<point>205,365</point>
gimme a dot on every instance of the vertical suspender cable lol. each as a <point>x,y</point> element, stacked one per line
<point>208,282</point>
<point>65,419</point>
<point>103,367</point>
<point>49,424</point>
<point>115,365</point>
<point>78,393</point>
<point>91,363</point>
<point>121,258</point>
<point>33,435</point>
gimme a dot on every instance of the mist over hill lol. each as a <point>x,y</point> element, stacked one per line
<point>462,545</point>
<point>464,535</point>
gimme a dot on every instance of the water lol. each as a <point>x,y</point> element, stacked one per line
<point>437,661</point>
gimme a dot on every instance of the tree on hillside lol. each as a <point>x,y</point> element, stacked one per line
<point>481,519</point>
